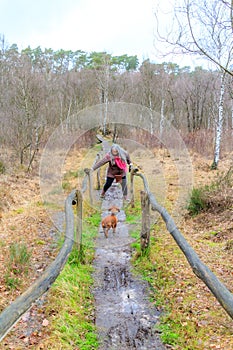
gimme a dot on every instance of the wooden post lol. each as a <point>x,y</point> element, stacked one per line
<point>90,188</point>
<point>145,232</point>
<point>98,173</point>
<point>132,189</point>
<point>87,171</point>
<point>79,219</point>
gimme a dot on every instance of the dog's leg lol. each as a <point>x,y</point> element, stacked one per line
<point>106,232</point>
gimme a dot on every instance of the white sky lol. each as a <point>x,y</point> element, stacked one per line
<point>118,27</point>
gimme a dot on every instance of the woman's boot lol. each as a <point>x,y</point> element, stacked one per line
<point>102,195</point>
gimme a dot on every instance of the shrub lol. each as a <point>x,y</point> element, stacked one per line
<point>17,263</point>
<point>217,196</point>
<point>197,201</point>
<point>19,258</point>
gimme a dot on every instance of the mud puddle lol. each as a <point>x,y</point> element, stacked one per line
<point>125,319</point>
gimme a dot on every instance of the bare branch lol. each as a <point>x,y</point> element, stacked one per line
<point>200,28</point>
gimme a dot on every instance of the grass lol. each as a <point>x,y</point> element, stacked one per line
<point>72,306</point>
<point>197,201</point>
<point>17,263</point>
<point>73,325</point>
<point>177,327</point>
<point>133,214</point>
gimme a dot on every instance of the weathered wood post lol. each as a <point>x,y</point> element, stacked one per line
<point>145,232</point>
<point>79,226</point>
<point>98,172</point>
<point>132,188</point>
<point>87,171</point>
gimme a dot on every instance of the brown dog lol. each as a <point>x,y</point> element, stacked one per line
<point>110,221</point>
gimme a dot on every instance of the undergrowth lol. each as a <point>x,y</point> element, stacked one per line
<point>17,263</point>
<point>216,195</point>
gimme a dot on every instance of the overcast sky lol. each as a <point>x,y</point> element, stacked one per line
<point>118,27</point>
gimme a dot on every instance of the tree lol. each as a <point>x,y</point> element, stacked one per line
<point>24,126</point>
<point>204,28</point>
<point>194,90</point>
<point>105,67</point>
<point>200,28</point>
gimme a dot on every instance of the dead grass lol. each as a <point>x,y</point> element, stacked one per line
<point>194,310</point>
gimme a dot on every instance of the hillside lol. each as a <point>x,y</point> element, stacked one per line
<point>24,220</point>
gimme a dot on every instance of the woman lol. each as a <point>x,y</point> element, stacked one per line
<point>118,159</point>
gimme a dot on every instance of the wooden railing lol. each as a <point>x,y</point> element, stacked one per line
<point>12,314</point>
<point>218,289</point>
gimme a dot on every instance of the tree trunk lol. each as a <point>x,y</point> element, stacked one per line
<point>219,124</point>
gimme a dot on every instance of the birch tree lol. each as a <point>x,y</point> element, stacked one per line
<point>219,123</point>
<point>203,28</point>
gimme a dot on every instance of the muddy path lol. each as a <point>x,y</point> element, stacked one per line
<point>125,319</point>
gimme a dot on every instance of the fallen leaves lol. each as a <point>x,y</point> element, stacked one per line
<point>45,322</point>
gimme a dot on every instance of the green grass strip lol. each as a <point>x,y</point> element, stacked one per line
<point>70,309</point>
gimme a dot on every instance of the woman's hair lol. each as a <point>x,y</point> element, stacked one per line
<point>121,152</point>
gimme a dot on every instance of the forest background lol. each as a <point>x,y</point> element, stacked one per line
<point>41,89</point>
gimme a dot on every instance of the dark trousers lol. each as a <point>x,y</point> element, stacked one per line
<point>109,182</point>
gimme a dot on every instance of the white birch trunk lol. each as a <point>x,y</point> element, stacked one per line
<point>219,124</point>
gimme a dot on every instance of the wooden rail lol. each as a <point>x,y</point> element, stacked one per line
<point>218,289</point>
<point>12,314</point>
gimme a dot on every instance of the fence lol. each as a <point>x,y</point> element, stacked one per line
<point>218,289</point>
<point>12,314</point>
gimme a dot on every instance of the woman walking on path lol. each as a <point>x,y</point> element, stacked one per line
<point>118,158</point>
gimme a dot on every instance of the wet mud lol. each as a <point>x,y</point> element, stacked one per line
<point>125,318</point>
